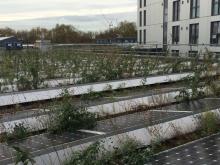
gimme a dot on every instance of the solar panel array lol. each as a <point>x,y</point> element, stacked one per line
<point>201,152</point>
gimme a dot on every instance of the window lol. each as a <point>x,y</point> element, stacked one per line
<point>215,7</point>
<point>175,34</point>
<point>140,21</point>
<point>215,33</point>
<point>144,36</point>
<point>194,8</point>
<point>140,1</point>
<point>194,34</point>
<point>176,10</point>
<point>145,17</point>
<point>140,36</point>
<point>145,3</point>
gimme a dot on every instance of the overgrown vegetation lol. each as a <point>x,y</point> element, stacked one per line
<point>210,123</point>
<point>126,153</point>
<point>23,156</point>
<point>32,69</point>
<point>19,132</point>
<point>68,117</point>
<point>202,78</point>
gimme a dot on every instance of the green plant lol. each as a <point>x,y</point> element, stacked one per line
<point>69,117</point>
<point>184,95</point>
<point>29,69</point>
<point>194,89</point>
<point>129,152</point>
<point>209,123</point>
<point>19,132</point>
<point>22,156</point>
<point>23,83</point>
<point>214,88</point>
<point>87,156</point>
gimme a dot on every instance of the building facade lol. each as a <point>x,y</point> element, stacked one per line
<point>10,43</point>
<point>180,26</point>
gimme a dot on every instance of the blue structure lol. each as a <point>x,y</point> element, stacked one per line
<point>103,41</point>
<point>10,43</point>
<point>118,40</point>
<point>125,40</point>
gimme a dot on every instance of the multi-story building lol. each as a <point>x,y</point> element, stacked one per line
<point>180,26</point>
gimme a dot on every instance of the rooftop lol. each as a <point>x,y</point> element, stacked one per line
<point>4,38</point>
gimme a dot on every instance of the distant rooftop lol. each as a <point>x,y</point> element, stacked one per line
<point>4,38</point>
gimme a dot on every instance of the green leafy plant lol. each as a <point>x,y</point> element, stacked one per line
<point>87,156</point>
<point>194,82</point>
<point>19,132</point>
<point>22,156</point>
<point>184,95</point>
<point>214,88</point>
<point>129,152</point>
<point>69,117</point>
<point>29,69</point>
<point>209,123</point>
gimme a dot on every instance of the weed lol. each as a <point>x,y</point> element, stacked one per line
<point>215,89</point>
<point>209,123</point>
<point>19,132</point>
<point>126,153</point>
<point>28,70</point>
<point>69,117</point>
<point>184,95</point>
<point>23,157</point>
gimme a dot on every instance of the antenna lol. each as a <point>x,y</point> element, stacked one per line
<point>109,22</point>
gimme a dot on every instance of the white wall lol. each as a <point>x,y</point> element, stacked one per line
<point>154,25</point>
<point>155,32</point>
<point>204,21</point>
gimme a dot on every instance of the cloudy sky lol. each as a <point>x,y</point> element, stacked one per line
<point>84,14</point>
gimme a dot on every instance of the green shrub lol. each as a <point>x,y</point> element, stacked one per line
<point>68,117</point>
<point>184,95</point>
<point>127,153</point>
<point>215,89</point>
<point>19,132</point>
<point>209,123</point>
<point>30,68</point>
<point>85,157</point>
<point>22,156</point>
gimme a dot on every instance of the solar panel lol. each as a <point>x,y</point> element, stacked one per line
<point>200,152</point>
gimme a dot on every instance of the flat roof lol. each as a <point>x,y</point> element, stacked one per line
<point>4,38</point>
<point>46,143</point>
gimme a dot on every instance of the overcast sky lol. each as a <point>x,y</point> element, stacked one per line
<point>14,12</point>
